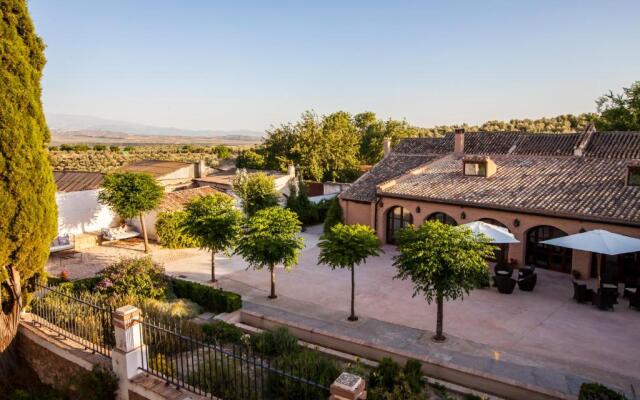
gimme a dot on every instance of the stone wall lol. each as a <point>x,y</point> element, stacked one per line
<point>57,363</point>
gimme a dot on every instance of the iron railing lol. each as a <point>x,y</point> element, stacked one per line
<point>228,371</point>
<point>74,317</point>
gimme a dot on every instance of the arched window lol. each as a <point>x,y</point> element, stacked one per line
<point>442,217</point>
<point>543,255</point>
<point>397,218</point>
<point>502,254</point>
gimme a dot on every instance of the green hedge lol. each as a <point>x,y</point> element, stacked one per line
<point>596,391</point>
<point>170,231</point>
<point>211,299</point>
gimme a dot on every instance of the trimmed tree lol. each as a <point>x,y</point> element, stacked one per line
<point>334,215</point>
<point>215,223</point>
<point>131,194</point>
<point>346,246</point>
<point>443,262</point>
<point>271,238</point>
<point>28,214</point>
<point>257,191</point>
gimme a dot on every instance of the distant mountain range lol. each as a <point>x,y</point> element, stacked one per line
<point>78,123</point>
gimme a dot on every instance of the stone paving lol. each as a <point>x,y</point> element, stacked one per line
<point>544,325</point>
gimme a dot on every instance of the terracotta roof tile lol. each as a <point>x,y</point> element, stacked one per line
<point>173,201</point>
<point>392,166</point>
<point>592,188</point>
<point>614,145</point>
<point>75,181</point>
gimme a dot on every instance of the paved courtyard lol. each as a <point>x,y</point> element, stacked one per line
<point>545,324</point>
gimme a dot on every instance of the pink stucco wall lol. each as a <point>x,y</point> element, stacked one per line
<point>357,213</point>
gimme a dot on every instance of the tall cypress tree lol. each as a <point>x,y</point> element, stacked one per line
<point>28,212</point>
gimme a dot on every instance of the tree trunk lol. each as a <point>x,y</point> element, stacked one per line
<point>9,321</point>
<point>353,317</point>
<point>144,234</point>
<point>273,282</point>
<point>439,337</point>
<point>213,266</point>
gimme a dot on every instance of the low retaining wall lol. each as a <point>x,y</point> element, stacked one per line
<point>479,380</point>
<point>58,362</point>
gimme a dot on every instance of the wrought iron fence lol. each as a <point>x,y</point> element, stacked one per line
<point>227,371</point>
<point>74,317</point>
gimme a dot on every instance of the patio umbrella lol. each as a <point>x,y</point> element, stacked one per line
<point>498,234</point>
<point>598,241</point>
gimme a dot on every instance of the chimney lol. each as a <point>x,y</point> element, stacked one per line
<point>200,170</point>
<point>458,144</point>
<point>585,138</point>
<point>386,146</point>
<point>291,170</point>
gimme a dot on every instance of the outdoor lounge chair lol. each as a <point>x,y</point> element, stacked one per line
<point>527,281</point>
<point>119,233</point>
<point>505,284</point>
<point>581,293</point>
<point>61,243</point>
<point>503,270</point>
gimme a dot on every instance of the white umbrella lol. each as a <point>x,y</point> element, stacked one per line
<point>498,234</point>
<point>598,241</point>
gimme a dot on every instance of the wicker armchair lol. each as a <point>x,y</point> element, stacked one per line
<point>581,293</point>
<point>505,284</point>
<point>527,281</point>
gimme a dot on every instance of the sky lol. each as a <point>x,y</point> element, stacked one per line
<point>248,65</point>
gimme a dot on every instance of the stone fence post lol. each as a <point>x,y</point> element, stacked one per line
<point>348,387</point>
<point>126,356</point>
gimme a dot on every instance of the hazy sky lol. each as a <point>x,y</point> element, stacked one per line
<point>231,65</point>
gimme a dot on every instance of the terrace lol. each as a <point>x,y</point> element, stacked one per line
<point>541,337</point>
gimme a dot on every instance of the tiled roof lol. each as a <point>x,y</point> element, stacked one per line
<point>75,181</point>
<point>590,188</point>
<point>392,166</point>
<point>155,168</point>
<point>173,201</point>
<point>614,145</point>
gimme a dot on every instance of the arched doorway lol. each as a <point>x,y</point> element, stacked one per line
<point>442,217</point>
<point>502,254</point>
<point>545,256</point>
<point>397,218</point>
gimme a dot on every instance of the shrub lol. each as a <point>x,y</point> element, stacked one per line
<point>100,383</point>
<point>210,298</point>
<point>334,214</point>
<point>99,147</point>
<point>596,391</point>
<point>389,381</point>
<point>221,151</point>
<point>275,343</point>
<point>80,147</point>
<point>307,364</point>
<point>171,233</point>
<point>163,310</point>
<point>139,277</point>
<point>250,159</point>
<point>223,332</point>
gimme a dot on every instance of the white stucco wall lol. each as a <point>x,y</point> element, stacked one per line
<point>80,212</point>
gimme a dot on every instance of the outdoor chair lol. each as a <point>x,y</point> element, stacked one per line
<point>630,287</point>
<point>581,293</point>
<point>61,243</point>
<point>604,299</point>
<point>505,284</point>
<point>634,300</point>
<point>527,281</point>
<point>119,233</point>
<point>503,270</point>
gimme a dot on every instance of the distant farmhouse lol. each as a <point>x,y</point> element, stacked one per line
<point>80,213</point>
<point>538,186</point>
